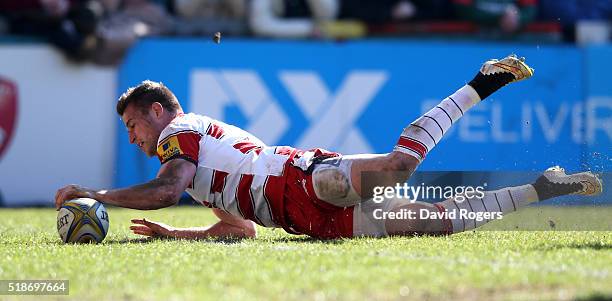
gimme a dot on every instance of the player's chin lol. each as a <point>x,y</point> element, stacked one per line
<point>149,152</point>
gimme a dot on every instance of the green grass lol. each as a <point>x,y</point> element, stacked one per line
<point>482,265</point>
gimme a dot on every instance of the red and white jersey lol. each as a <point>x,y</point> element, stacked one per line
<point>236,172</point>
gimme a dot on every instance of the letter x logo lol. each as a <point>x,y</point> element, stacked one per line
<point>332,116</point>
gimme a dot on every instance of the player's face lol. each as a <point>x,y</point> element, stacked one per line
<point>143,128</point>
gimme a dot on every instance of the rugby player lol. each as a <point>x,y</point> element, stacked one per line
<point>314,192</point>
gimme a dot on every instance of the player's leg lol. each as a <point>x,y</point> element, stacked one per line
<point>422,135</point>
<point>338,181</point>
<point>553,183</point>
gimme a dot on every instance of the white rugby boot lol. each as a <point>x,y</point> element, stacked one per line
<point>554,182</point>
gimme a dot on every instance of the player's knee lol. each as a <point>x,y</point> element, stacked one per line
<point>397,161</point>
<point>412,226</point>
<point>330,183</point>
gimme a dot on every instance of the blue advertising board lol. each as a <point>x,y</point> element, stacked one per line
<point>356,97</point>
<point>598,107</point>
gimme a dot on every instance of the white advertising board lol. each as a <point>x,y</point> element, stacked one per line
<point>57,124</point>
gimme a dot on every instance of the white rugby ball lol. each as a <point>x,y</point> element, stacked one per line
<point>82,220</point>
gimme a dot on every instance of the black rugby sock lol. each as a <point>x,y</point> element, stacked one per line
<point>486,85</point>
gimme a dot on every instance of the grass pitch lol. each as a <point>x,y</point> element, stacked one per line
<point>482,265</point>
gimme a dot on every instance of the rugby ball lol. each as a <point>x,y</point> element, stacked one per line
<point>82,220</point>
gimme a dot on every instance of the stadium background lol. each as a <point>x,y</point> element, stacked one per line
<point>350,95</point>
<point>348,82</point>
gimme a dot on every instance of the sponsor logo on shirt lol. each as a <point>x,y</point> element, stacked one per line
<point>169,149</point>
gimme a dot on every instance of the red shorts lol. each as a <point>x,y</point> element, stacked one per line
<point>306,214</point>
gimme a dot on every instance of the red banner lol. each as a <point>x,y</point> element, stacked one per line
<point>8,112</point>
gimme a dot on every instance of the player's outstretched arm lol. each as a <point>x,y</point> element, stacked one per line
<point>164,191</point>
<point>228,227</point>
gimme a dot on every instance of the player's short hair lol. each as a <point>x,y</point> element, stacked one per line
<point>146,93</point>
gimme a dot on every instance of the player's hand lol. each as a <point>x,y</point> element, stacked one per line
<point>70,192</point>
<point>150,228</point>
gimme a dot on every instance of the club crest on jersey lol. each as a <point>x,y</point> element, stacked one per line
<point>169,148</point>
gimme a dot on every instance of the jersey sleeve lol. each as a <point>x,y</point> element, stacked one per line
<point>181,144</point>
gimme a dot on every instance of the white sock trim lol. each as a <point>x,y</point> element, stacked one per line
<point>467,93</point>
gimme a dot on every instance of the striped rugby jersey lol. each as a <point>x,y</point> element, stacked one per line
<point>236,172</point>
